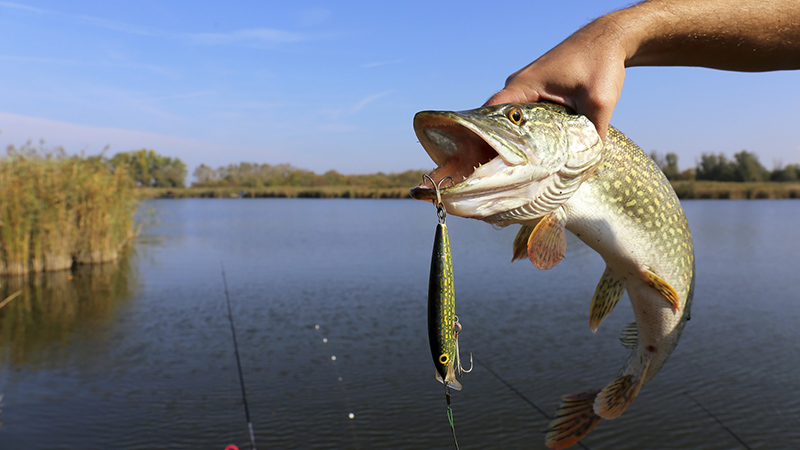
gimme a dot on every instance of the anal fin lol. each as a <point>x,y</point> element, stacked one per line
<point>548,241</point>
<point>664,288</point>
<point>574,419</point>
<point>608,292</point>
<point>615,398</point>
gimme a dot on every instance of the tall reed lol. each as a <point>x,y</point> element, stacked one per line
<point>57,210</point>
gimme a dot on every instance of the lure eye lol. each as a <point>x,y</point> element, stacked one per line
<point>444,358</point>
<point>515,116</point>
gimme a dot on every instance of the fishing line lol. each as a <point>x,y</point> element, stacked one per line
<point>523,397</point>
<point>238,361</point>
<point>450,414</point>
<point>735,436</point>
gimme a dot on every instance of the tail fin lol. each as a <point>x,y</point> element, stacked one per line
<point>574,419</point>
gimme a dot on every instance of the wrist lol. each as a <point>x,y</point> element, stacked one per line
<point>636,33</point>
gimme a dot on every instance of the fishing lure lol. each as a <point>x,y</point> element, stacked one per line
<point>443,324</point>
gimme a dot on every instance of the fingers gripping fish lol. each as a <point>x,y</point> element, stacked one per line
<point>547,169</point>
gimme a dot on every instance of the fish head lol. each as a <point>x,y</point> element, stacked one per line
<point>506,163</point>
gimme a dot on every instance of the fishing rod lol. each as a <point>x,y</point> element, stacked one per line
<point>523,397</point>
<point>238,362</point>
<point>735,436</point>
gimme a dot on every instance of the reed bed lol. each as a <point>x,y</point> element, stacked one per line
<point>58,210</point>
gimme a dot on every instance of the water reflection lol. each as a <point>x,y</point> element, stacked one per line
<point>48,309</point>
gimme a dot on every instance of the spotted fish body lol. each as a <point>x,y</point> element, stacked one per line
<point>442,323</point>
<point>545,168</point>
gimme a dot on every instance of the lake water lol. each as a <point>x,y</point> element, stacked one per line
<point>140,355</point>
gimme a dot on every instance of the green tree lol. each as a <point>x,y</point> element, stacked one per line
<point>790,173</point>
<point>715,168</point>
<point>149,169</point>
<point>668,164</point>
<point>747,167</point>
<point>205,176</point>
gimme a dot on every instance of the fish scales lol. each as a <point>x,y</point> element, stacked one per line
<point>546,168</point>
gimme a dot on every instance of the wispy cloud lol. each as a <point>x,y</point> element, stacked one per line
<point>161,70</point>
<point>261,37</point>
<point>97,22</point>
<point>181,96</point>
<point>255,36</point>
<point>367,100</point>
<point>372,65</point>
<point>338,116</point>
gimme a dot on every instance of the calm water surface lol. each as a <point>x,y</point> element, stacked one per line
<point>140,356</point>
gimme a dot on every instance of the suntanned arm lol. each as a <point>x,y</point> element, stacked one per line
<point>586,71</point>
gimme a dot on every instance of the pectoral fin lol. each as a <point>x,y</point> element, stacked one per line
<point>521,242</point>
<point>548,241</point>
<point>574,419</point>
<point>608,292</point>
<point>615,398</point>
<point>664,288</point>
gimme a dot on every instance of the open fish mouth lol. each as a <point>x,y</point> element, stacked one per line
<point>456,145</point>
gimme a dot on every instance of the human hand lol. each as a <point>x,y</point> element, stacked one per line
<point>585,73</point>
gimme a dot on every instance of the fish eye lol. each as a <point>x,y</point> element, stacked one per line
<point>515,116</point>
<point>444,358</point>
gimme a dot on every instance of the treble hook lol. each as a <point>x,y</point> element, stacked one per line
<point>456,331</point>
<point>440,210</point>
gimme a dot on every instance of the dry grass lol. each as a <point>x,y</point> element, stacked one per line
<point>56,210</point>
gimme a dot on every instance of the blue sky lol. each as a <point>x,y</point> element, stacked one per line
<point>333,85</point>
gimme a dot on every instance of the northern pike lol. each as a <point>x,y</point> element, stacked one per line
<point>443,325</point>
<point>546,168</point>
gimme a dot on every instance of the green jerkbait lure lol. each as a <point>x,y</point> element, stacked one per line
<point>443,325</point>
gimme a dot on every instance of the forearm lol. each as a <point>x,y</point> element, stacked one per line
<point>741,35</point>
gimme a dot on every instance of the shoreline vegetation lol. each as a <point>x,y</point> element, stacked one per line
<point>686,190</point>
<point>57,211</point>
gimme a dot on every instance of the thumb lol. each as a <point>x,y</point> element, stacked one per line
<point>600,117</point>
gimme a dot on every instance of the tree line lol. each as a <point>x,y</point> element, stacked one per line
<point>253,175</point>
<point>717,167</point>
<point>149,169</point>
